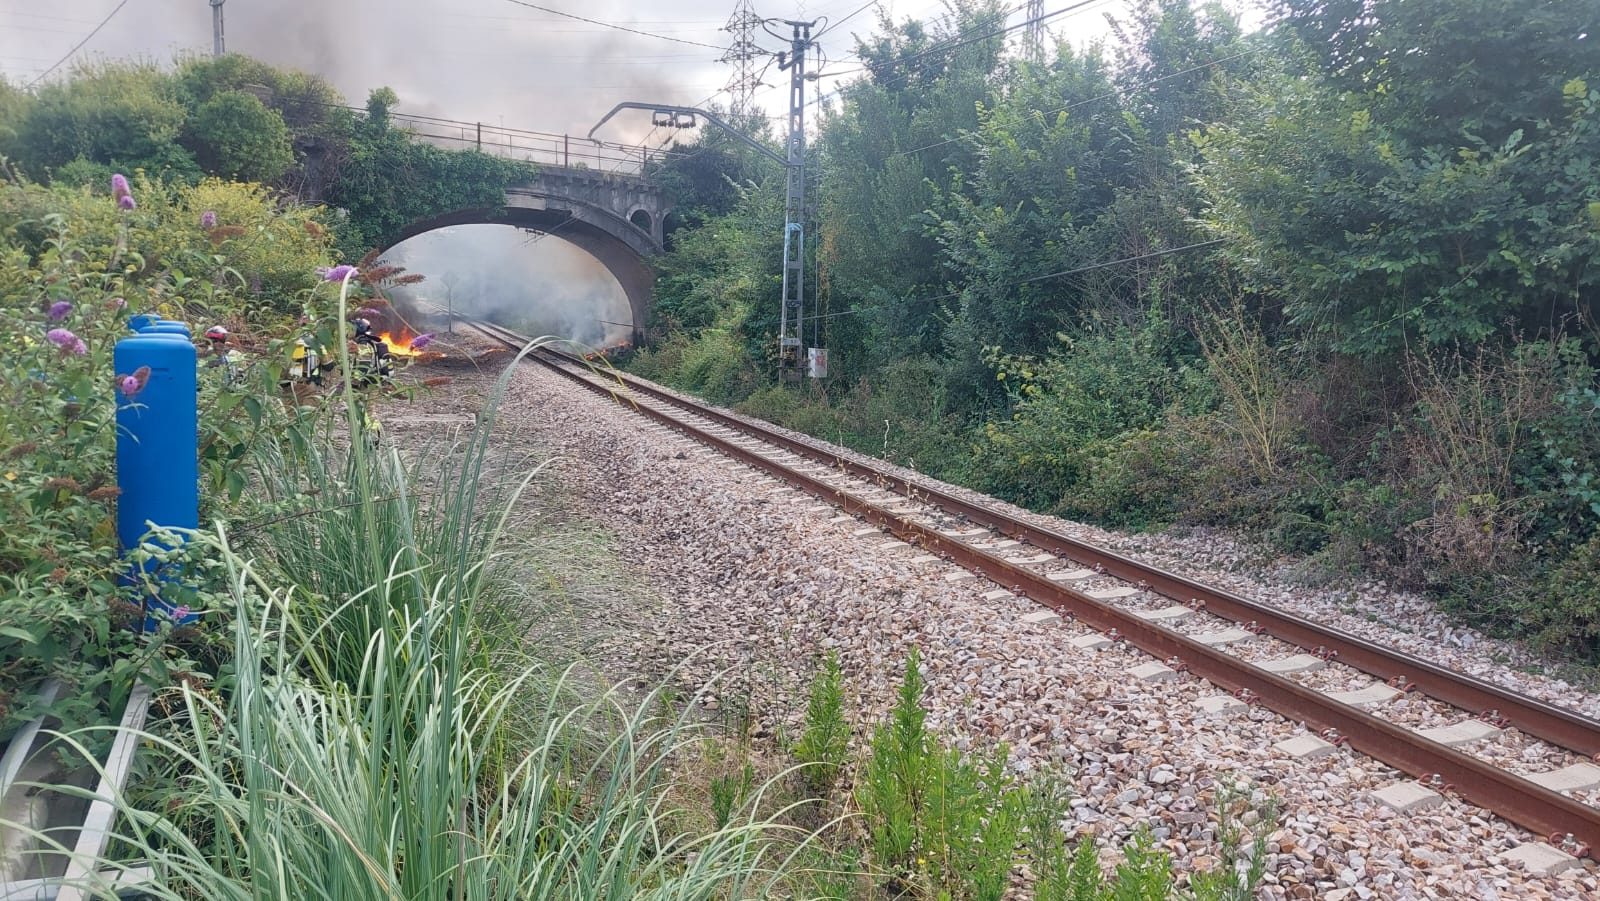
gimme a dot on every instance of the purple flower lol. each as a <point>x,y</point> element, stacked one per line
<point>421,341</point>
<point>119,185</point>
<point>60,337</point>
<point>78,348</point>
<point>336,273</point>
<point>60,310</point>
<point>129,386</point>
<point>180,613</point>
<point>118,303</point>
<point>126,202</point>
<point>208,219</point>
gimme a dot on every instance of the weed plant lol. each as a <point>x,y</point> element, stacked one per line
<point>824,746</point>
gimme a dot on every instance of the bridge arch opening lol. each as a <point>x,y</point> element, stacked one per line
<point>641,220</point>
<point>534,281</point>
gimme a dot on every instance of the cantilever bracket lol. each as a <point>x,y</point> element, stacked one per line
<point>671,108</point>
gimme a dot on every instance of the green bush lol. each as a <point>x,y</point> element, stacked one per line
<point>72,268</point>
<point>1072,407</point>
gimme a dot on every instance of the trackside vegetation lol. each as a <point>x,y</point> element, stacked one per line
<point>362,710</point>
<point>1332,283</point>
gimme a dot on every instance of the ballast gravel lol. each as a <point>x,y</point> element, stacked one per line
<point>751,583</point>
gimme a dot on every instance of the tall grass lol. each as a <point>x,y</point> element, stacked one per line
<point>380,743</point>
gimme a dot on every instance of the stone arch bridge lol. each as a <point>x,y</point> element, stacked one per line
<point>620,220</point>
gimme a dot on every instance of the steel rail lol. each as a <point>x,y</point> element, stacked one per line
<point>1545,721</point>
<point>1532,806</point>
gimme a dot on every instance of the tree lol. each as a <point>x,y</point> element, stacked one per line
<point>235,135</point>
<point>124,115</point>
<point>1391,201</point>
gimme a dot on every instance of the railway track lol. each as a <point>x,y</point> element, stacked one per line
<point>1026,560</point>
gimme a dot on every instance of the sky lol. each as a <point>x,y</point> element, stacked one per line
<point>491,61</point>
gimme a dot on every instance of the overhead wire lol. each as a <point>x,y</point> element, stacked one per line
<point>648,34</point>
<point>864,7</point>
<point>77,46</point>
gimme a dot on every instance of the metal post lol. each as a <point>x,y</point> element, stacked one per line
<point>791,363</point>
<point>566,152</point>
<point>480,137</point>
<point>217,48</point>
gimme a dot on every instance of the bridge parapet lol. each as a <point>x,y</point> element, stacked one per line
<point>635,201</point>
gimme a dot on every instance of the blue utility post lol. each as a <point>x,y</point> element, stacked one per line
<point>158,467</point>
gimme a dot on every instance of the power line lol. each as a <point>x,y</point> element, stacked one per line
<point>79,44</point>
<point>557,12</point>
<point>864,7</point>
<point>956,44</point>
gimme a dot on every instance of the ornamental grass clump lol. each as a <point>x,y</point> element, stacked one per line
<point>384,736</point>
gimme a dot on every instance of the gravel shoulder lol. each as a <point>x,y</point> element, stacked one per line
<point>748,584</point>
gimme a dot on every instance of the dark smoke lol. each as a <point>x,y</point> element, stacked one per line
<point>487,61</point>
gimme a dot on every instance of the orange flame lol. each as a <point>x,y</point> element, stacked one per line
<point>398,345</point>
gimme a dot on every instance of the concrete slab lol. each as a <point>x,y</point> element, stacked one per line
<point>1226,636</point>
<point>1094,641</point>
<point>1578,777</point>
<point>1288,666</point>
<point>1165,614</point>
<point>970,533</point>
<point>1153,672</point>
<point>1408,797</point>
<point>997,594</point>
<point>1029,561</point>
<point>961,576</point>
<point>1216,705</point>
<point>1002,544</point>
<point>1457,734</point>
<point>1305,747</point>
<point>1041,618</point>
<point>1540,859</point>
<point>1072,575</point>
<point>1372,695</point>
<point>862,533</point>
<point>841,518</point>
<point>819,508</point>
<point>1111,594</point>
<point>893,544</point>
<point>786,489</point>
<point>924,558</point>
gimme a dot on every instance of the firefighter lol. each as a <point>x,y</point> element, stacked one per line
<point>374,364</point>
<point>223,358</point>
